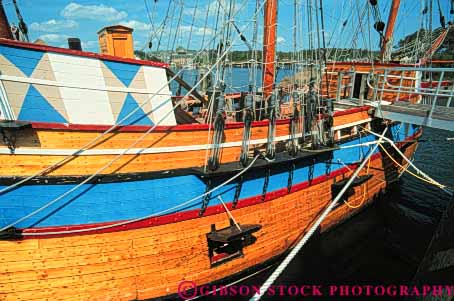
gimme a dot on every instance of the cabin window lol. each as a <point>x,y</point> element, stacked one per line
<point>360,87</point>
<point>345,132</point>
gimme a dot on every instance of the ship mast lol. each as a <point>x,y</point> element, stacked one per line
<point>269,46</point>
<point>387,40</point>
<point>5,31</point>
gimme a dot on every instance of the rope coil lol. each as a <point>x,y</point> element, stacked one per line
<point>218,135</point>
<point>244,156</point>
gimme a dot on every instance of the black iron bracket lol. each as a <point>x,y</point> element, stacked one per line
<point>9,129</point>
<point>227,243</point>
<point>265,184</point>
<point>206,198</point>
<point>11,233</point>
<point>238,187</point>
<point>290,177</point>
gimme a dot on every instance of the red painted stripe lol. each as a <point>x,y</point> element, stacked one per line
<point>81,53</point>
<point>375,65</point>
<point>227,95</point>
<point>192,214</point>
<point>182,216</point>
<point>144,128</point>
<point>442,61</point>
<point>351,111</point>
<point>161,128</point>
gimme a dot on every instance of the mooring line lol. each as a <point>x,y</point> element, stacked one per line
<point>420,172</point>
<point>186,203</point>
<point>264,288</point>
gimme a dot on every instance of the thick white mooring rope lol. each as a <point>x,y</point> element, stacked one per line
<point>264,288</point>
<point>90,143</point>
<point>184,204</point>
<point>218,61</point>
<point>420,172</point>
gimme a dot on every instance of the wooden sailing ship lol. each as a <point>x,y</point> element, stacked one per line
<point>109,192</point>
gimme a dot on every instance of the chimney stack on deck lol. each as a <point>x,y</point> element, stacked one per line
<point>116,40</point>
<point>74,44</point>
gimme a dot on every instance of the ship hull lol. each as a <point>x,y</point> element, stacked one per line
<point>149,258</point>
<point>141,218</point>
<point>160,149</point>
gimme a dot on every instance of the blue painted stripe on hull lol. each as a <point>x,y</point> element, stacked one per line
<point>105,202</point>
<point>95,203</point>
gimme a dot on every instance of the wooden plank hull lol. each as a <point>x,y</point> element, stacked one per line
<point>129,196</point>
<point>150,262</point>
<point>164,148</point>
<point>131,238</point>
<point>329,86</point>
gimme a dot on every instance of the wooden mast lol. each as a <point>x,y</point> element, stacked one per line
<point>390,28</point>
<point>5,31</point>
<point>269,46</point>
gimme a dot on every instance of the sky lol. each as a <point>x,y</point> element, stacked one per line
<point>55,20</point>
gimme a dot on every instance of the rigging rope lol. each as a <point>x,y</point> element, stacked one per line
<point>22,25</point>
<point>295,124</point>
<point>419,172</point>
<point>150,19</point>
<point>218,133</point>
<point>184,204</point>
<point>176,33</point>
<point>283,265</point>
<point>229,213</point>
<point>163,25</point>
<point>273,112</point>
<point>116,125</point>
<point>365,191</point>
<point>192,24</point>
<point>118,156</point>
<point>244,156</point>
<point>113,127</point>
<point>172,209</point>
<point>405,169</point>
<point>205,24</point>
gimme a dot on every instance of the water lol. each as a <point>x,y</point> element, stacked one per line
<point>236,79</point>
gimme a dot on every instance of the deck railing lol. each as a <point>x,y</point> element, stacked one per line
<point>433,82</point>
<point>430,86</point>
